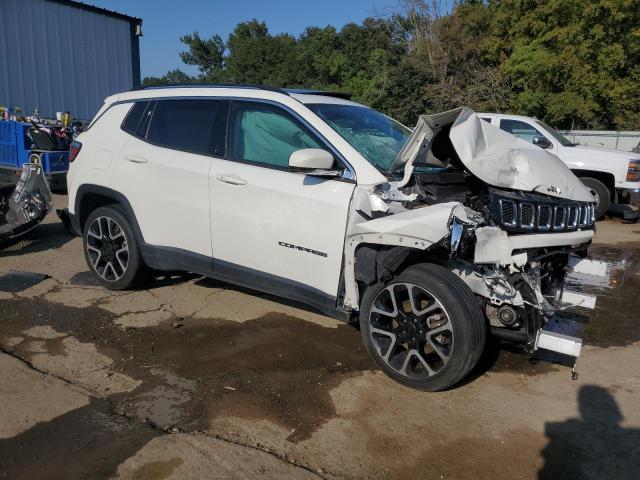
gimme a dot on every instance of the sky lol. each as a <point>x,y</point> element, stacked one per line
<point>164,21</point>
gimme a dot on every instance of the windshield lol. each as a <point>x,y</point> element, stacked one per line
<point>556,134</point>
<point>377,137</point>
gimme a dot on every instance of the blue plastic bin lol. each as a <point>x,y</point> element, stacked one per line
<point>14,152</point>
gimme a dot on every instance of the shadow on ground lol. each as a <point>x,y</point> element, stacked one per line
<point>89,442</point>
<point>594,446</point>
<point>44,237</point>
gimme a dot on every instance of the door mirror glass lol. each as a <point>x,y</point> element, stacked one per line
<point>313,161</point>
<point>542,142</point>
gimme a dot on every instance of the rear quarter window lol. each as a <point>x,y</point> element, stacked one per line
<point>133,121</point>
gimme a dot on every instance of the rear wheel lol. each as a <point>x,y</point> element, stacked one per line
<point>600,192</point>
<point>111,249</point>
<point>423,328</point>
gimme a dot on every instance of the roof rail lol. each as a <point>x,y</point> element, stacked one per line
<point>286,91</point>
<point>213,85</point>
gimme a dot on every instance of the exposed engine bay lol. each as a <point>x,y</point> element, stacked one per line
<point>518,222</point>
<point>26,205</point>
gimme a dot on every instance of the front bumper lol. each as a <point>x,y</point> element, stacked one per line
<point>495,246</point>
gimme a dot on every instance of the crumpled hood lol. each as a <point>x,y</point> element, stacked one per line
<point>494,156</point>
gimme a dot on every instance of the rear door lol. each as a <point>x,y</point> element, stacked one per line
<point>164,171</point>
<point>278,231</point>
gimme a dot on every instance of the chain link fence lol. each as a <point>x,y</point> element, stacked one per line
<point>625,141</point>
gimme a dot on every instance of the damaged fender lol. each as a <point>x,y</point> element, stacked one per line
<point>25,206</point>
<point>418,229</point>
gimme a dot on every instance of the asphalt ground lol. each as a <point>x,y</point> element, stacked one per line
<point>191,378</point>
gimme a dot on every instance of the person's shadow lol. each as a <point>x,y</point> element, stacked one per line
<point>594,446</point>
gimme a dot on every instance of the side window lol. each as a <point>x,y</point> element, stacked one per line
<point>266,134</point>
<point>134,121</point>
<point>196,126</point>
<point>520,129</point>
<point>488,120</point>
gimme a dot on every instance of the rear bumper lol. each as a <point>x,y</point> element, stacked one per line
<point>57,180</point>
<point>70,221</point>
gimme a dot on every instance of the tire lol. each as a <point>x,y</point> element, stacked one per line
<point>601,192</point>
<point>106,233</point>
<point>462,335</point>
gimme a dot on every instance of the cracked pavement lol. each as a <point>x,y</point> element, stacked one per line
<point>192,378</point>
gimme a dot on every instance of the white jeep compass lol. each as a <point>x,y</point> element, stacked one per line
<point>432,239</point>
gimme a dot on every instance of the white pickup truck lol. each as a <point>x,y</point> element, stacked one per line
<point>611,175</point>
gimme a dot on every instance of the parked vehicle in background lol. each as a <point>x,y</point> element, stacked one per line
<point>611,175</point>
<point>26,142</point>
<point>26,205</point>
<point>432,239</point>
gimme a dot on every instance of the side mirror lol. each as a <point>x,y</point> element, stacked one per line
<point>541,142</point>
<point>313,161</point>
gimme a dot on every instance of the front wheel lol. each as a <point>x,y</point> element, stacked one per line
<point>423,328</point>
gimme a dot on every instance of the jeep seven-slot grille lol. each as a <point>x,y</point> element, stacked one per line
<point>535,213</point>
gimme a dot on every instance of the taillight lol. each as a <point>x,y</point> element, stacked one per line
<point>74,150</point>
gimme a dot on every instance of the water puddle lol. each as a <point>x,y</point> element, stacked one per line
<point>276,367</point>
<point>16,281</point>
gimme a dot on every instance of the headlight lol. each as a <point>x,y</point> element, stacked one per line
<point>633,172</point>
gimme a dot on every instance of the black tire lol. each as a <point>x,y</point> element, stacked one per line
<point>601,192</point>
<point>458,302</point>
<point>136,271</point>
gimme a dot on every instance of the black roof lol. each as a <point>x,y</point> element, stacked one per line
<point>302,91</point>
<point>98,10</point>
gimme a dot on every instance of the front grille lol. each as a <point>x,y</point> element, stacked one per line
<point>520,212</point>
<point>508,209</point>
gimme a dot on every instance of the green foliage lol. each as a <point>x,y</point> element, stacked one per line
<point>174,77</point>
<point>572,63</point>
<point>207,55</point>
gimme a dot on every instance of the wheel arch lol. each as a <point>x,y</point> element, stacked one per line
<point>89,197</point>
<point>608,179</point>
<point>371,257</point>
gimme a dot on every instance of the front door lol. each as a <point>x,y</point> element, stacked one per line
<point>279,231</point>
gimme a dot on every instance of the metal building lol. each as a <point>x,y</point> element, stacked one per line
<point>62,55</point>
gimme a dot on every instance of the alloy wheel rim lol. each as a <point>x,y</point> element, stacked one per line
<point>107,249</point>
<point>411,330</point>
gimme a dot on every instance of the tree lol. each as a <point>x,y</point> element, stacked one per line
<point>174,77</point>
<point>572,63</point>
<point>207,55</point>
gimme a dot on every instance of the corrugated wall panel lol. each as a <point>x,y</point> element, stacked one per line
<point>57,57</point>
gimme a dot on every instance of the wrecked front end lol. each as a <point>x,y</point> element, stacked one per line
<point>508,218</point>
<point>24,206</point>
<point>521,277</point>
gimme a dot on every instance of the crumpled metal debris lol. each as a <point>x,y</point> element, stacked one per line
<point>25,206</point>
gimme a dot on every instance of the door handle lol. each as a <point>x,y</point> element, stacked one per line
<point>135,159</point>
<point>231,179</point>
